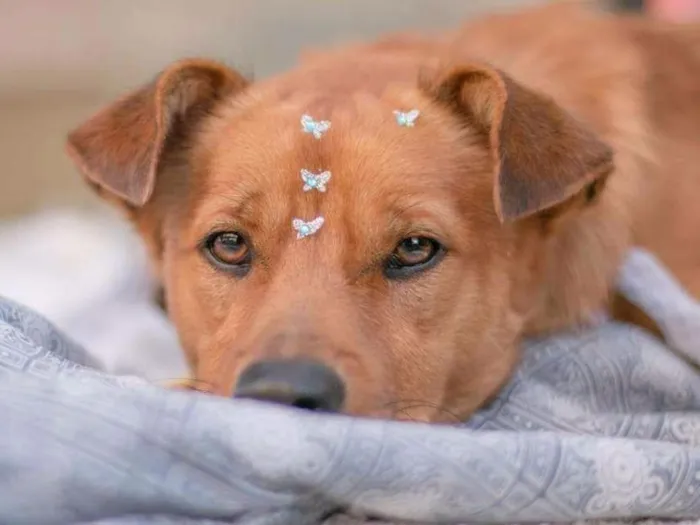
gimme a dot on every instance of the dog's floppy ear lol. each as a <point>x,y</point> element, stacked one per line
<point>542,156</point>
<point>120,148</point>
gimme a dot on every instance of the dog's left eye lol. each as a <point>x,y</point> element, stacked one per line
<point>228,250</point>
<point>412,255</point>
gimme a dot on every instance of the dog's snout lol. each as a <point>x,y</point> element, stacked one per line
<point>300,383</point>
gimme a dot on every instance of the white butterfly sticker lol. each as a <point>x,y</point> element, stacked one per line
<point>315,181</point>
<point>316,127</point>
<point>304,228</point>
<point>407,118</point>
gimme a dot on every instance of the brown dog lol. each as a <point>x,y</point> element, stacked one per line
<point>547,143</point>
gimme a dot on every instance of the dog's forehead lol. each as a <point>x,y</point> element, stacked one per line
<point>370,171</point>
<point>397,138</point>
<point>366,178</point>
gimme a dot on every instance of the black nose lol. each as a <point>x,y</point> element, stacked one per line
<point>300,383</point>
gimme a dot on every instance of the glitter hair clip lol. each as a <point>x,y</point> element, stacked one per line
<point>316,127</point>
<point>304,228</point>
<point>406,119</point>
<point>312,181</point>
<point>315,181</point>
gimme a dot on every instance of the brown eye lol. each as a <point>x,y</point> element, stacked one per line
<point>413,255</point>
<point>228,250</point>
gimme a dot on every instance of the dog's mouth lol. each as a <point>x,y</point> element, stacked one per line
<point>280,394</point>
<point>418,411</point>
<point>300,383</point>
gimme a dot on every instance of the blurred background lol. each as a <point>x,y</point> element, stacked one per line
<point>60,60</point>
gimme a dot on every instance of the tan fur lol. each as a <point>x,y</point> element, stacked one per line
<point>549,142</point>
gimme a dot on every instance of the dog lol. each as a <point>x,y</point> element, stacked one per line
<point>374,231</point>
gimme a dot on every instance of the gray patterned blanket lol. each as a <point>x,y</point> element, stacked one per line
<point>601,424</point>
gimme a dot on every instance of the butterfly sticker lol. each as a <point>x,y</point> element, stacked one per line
<point>316,127</point>
<point>406,119</point>
<point>304,229</point>
<point>315,181</point>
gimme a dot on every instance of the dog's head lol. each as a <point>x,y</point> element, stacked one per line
<point>409,299</point>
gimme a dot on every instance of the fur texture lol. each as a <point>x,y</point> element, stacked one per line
<point>549,141</point>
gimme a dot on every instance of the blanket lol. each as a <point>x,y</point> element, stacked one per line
<point>601,424</point>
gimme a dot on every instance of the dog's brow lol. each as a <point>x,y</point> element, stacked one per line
<point>237,205</point>
<point>422,210</point>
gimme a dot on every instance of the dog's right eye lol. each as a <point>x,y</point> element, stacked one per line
<point>229,251</point>
<point>412,256</point>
